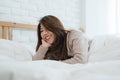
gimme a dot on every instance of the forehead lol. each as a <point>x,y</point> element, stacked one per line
<point>42,27</point>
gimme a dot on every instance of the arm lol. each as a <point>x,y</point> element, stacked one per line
<point>79,50</point>
<point>40,53</point>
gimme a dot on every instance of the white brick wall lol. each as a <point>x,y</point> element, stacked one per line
<point>30,11</point>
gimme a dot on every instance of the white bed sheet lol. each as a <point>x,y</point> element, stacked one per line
<point>11,50</point>
<point>54,70</point>
<point>104,63</point>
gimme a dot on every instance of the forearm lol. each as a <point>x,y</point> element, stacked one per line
<point>40,54</point>
<point>76,59</point>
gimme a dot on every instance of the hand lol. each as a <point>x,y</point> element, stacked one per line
<point>45,44</point>
<point>47,38</point>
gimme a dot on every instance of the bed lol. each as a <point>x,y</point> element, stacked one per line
<point>16,60</point>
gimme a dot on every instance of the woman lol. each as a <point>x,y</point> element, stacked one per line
<point>55,43</point>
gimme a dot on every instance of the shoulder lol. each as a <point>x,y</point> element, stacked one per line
<point>74,34</point>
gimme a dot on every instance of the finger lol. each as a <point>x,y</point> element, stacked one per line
<point>46,37</point>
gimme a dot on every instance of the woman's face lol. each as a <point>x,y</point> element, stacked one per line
<point>47,35</point>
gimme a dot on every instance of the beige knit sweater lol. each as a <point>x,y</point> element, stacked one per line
<point>77,46</point>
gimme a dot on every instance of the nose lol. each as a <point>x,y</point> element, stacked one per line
<point>45,33</point>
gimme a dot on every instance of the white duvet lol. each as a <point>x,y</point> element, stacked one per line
<point>104,63</point>
<point>53,70</point>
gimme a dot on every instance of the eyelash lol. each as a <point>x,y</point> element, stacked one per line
<point>41,30</point>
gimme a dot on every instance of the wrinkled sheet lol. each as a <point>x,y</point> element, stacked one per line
<point>56,70</point>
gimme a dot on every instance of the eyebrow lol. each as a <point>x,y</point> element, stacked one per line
<point>41,28</point>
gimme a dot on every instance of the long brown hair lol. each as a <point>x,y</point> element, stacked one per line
<point>58,50</point>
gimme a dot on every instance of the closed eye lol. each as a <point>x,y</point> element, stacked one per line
<point>41,30</point>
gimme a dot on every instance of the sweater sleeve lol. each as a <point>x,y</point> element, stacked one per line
<point>79,49</point>
<point>40,53</point>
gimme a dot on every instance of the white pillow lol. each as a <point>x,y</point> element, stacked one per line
<point>105,47</point>
<point>11,50</point>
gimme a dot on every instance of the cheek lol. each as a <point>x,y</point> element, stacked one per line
<point>52,38</point>
<point>51,41</point>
